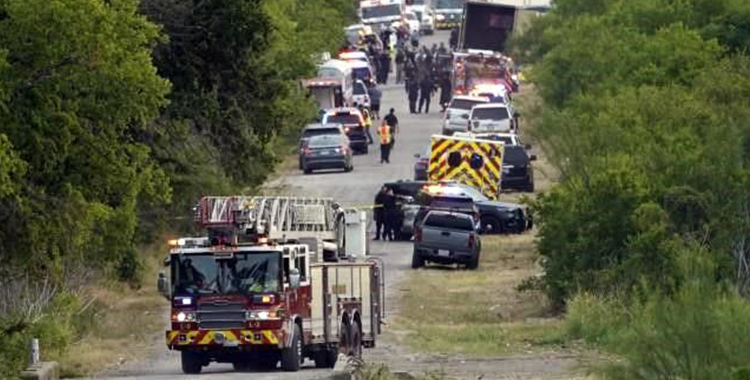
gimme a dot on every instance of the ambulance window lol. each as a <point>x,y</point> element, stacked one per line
<point>454,159</point>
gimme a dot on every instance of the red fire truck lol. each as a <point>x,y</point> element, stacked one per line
<point>256,291</point>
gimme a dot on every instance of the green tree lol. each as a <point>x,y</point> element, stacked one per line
<point>79,85</point>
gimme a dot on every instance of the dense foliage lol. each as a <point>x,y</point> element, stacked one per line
<point>645,117</point>
<point>115,116</point>
<point>644,239</point>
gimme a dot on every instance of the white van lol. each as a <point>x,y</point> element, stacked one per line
<point>362,71</point>
<point>341,70</point>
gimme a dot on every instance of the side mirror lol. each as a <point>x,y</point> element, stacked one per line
<point>416,155</point>
<point>465,116</point>
<point>517,115</point>
<point>533,157</point>
<point>294,278</point>
<point>162,283</point>
<point>527,146</point>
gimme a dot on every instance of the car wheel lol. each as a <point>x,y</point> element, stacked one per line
<point>473,264</point>
<point>365,150</point>
<point>416,260</point>
<point>529,188</point>
<point>491,225</point>
<point>307,171</point>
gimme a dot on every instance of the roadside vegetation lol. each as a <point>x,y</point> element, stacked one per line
<point>643,241</point>
<point>115,116</point>
<point>480,313</point>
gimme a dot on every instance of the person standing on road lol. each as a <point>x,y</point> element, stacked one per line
<point>413,95</point>
<point>385,67</point>
<point>390,213</point>
<point>368,121</point>
<point>378,213</point>
<point>392,121</point>
<point>386,140</point>
<point>400,59</point>
<point>375,95</point>
<point>445,91</point>
<point>426,88</point>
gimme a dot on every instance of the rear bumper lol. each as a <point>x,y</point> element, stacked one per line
<point>224,339</point>
<point>324,162</point>
<point>518,183</point>
<point>431,254</point>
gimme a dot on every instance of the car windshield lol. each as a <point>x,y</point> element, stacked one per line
<point>345,118</point>
<point>324,141</point>
<point>241,273</point>
<point>320,132</point>
<point>381,11</point>
<point>515,155</point>
<point>464,104</point>
<point>472,193</point>
<point>496,113</point>
<point>505,140</point>
<point>359,89</point>
<point>450,221</point>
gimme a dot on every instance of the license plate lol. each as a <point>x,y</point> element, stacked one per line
<point>442,252</point>
<point>325,152</point>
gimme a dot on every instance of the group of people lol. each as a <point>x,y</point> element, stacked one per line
<point>386,215</point>
<point>425,73</point>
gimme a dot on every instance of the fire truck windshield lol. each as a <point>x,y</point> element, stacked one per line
<point>242,273</point>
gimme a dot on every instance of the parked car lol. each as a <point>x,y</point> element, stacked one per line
<point>457,113</point>
<point>422,166</point>
<point>354,125</point>
<point>447,237</point>
<point>327,152</point>
<point>361,94</point>
<point>518,171</point>
<point>312,130</point>
<point>492,117</point>
<point>495,217</point>
<point>427,23</point>
<point>412,22</point>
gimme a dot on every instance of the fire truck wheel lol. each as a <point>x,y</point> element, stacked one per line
<point>291,357</point>
<point>192,362</point>
<point>356,349</point>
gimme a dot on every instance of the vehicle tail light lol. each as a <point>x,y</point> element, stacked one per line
<point>418,235</point>
<point>307,151</point>
<point>472,240</point>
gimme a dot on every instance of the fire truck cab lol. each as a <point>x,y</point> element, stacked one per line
<point>242,295</point>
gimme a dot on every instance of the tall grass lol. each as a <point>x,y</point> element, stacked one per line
<point>699,332</point>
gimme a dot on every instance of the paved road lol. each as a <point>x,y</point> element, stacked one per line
<point>355,188</point>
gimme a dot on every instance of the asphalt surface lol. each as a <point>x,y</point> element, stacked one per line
<point>356,188</point>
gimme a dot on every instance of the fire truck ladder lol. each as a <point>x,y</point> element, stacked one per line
<point>271,216</point>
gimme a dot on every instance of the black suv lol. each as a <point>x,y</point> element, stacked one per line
<point>495,217</point>
<point>518,173</point>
